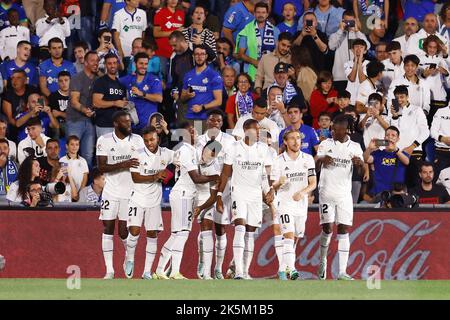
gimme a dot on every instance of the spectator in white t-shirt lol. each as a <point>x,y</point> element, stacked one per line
<point>12,35</point>
<point>371,85</point>
<point>393,67</point>
<point>52,25</point>
<point>374,124</point>
<point>355,69</point>
<point>77,166</point>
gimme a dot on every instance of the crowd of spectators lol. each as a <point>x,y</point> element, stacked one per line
<point>68,65</point>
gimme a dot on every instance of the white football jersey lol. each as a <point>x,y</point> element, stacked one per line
<point>248,164</point>
<point>297,173</point>
<point>148,195</point>
<point>129,26</point>
<point>118,184</point>
<point>207,169</point>
<point>186,158</point>
<point>336,180</point>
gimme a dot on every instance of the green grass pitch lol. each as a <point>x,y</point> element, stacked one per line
<point>221,290</point>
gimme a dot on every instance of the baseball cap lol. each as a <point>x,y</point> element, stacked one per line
<point>281,67</point>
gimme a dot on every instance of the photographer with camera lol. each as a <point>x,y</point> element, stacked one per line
<point>398,198</point>
<point>33,195</point>
<point>412,124</point>
<point>428,191</point>
<point>388,161</point>
<point>341,43</point>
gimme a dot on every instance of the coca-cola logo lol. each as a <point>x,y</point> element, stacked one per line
<point>390,244</point>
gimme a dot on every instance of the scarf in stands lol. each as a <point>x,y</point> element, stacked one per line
<point>8,175</point>
<point>373,8</point>
<point>289,92</point>
<point>244,104</point>
<point>266,41</point>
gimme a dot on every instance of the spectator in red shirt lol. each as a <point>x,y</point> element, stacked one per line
<point>167,20</point>
<point>240,103</point>
<point>323,98</point>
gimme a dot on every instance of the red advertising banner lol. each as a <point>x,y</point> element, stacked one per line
<point>404,245</point>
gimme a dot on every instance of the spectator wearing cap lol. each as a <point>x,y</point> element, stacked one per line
<point>412,124</point>
<point>393,67</point>
<point>427,190</point>
<point>372,84</point>
<point>264,74</point>
<point>202,87</point>
<point>310,140</point>
<point>241,103</point>
<point>259,113</point>
<point>282,80</point>
<point>355,69</point>
<point>440,132</point>
<point>341,43</point>
<point>314,41</point>
<point>323,98</point>
<point>419,91</point>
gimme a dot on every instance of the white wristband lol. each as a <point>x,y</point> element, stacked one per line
<point>219,194</point>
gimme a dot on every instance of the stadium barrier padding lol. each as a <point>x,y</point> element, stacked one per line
<point>395,245</point>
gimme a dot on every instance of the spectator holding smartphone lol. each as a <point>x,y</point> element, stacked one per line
<point>389,163</point>
<point>434,70</point>
<point>36,108</point>
<point>52,25</point>
<point>165,136</point>
<point>324,98</point>
<point>324,131</point>
<point>412,124</point>
<point>105,47</point>
<point>373,124</point>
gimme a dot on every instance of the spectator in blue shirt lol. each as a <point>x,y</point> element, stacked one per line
<point>418,9</point>
<point>155,66</point>
<point>109,8</point>
<point>50,68</point>
<point>21,62</point>
<point>202,86</point>
<point>36,108</point>
<point>8,168</point>
<point>328,16</point>
<point>390,163</point>
<point>290,12</point>
<point>5,6</point>
<point>310,140</point>
<point>236,18</point>
<point>324,131</point>
<point>144,89</point>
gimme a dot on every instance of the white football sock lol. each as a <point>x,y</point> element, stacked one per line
<point>166,253</point>
<point>343,251</point>
<point>278,244</point>
<point>150,252</point>
<point>108,250</point>
<point>238,249</point>
<point>131,246</point>
<point>325,239</point>
<point>221,246</point>
<point>177,251</point>
<point>208,248</point>
<point>200,247</point>
<point>288,254</point>
<point>248,251</point>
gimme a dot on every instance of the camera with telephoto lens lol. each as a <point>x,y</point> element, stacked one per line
<point>50,190</point>
<point>399,198</point>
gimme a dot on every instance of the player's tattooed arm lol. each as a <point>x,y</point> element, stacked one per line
<point>137,178</point>
<point>103,167</point>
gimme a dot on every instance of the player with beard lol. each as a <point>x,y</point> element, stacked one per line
<point>246,164</point>
<point>337,157</point>
<point>115,158</point>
